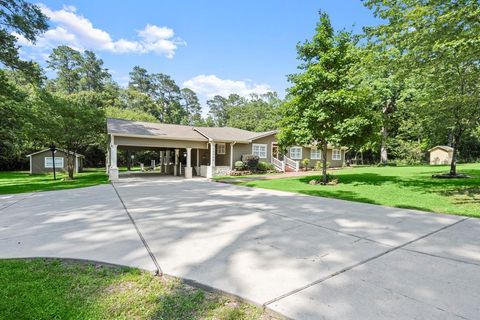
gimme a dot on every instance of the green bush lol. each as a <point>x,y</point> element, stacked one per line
<point>318,166</point>
<point>305,162</point>
<point>239,165</point>
<point>265,166</point>
<point>250,161</point>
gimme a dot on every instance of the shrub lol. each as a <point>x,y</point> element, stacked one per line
<point>318,166</point>
<point>239,165</point>
<point>265,166</point>
<point>306,162</point>
<point>250,161</point>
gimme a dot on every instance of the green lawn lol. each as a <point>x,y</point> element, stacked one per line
<point>57,289</point>
<point>22,181</point>
<point>403,187</point>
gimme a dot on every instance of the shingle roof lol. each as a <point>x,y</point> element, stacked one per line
<point>159,130</point>
<point>231,134</point>
<point>173,131</point>
<point>63,150</point>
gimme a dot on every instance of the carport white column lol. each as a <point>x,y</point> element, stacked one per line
<point>113,171</point>
<point>162,159</point>
<point>166,162</point>
<point>175,168</point>
<point>211,167</point>
<point>188,168</point>
<point>231,154</point>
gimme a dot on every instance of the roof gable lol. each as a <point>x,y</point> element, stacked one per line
<point>444,148</point>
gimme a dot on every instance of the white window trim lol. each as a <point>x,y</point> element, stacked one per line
<point>56,158</point>
<point>319,154</point>
<point>224,148</point>
<point>339,154</point>
<point>301,153</point>
<point>262,145</point>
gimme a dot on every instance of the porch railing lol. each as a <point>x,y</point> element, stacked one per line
<point>280,165</point>
<point>295,165</point>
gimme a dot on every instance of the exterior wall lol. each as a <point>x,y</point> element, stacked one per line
<point>269,140</point>
<point>222,159</point>
<point>306,155</point>
<point>38,162</point>
<point>440,156</point>
<point>158,143</point>
<point>240,149</point>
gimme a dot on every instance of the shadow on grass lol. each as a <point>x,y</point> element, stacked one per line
<point>44,288</point>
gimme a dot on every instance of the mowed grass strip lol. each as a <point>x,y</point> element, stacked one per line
<point>22,181</point>
<point>402,187</point>
<point>58,289</point>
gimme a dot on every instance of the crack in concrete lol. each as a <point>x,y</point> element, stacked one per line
<point>145,244</point>
<point>15,202</point>
<point>292,292</point>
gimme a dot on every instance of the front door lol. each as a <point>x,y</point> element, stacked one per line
<point>275,152</point>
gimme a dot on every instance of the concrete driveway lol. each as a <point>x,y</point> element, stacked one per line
<point>305,257</point>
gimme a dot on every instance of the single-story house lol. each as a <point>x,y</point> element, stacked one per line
<point>204,151</point>
<point>42,161</point>
<point>441,155</point>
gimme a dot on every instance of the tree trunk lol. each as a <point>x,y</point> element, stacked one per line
<point>324,163</point>
<point>453,164</point>
<point>70,165</point>
<point>383,148</point>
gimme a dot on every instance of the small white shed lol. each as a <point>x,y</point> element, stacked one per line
<point>441,155</point>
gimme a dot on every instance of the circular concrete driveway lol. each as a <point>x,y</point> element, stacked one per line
<point>305,257</point>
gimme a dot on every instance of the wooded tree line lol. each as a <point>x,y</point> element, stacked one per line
<point>401,87</point>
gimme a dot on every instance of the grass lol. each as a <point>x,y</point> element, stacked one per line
<point>57,289</point>
<point>402,187</point>
<point>22,181</point>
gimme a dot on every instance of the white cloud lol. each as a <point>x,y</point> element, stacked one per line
<point>211,85</point>
<point>78,32</point>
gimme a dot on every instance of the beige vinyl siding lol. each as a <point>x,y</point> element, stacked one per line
<point>440,156</point>
<point>333,163</point>
<point>269,140</point>
<point>38,162</point>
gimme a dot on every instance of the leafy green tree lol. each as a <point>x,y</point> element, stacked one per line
<point>67,63</point>
<point>73,125</point>
<point>324,106</point>
<point>129,114</point>
<point>93,76</point>
<point>439,43</point>
<point>140,80</point>
<point>218,110</point>
<point>258,113</point>
<point>18,17</point>
<point>192,107</point>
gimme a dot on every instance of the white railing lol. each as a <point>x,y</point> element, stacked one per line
<point>295,165</point>
<point>280,165</point>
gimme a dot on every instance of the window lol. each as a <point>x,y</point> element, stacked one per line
<point>259,150</point>
<point>49,162</point>
<point>220,148</point>
<point>336,154</point>
<point>296,153</point>
<point>316,154</point>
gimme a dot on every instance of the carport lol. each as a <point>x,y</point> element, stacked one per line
<point>181,150</point>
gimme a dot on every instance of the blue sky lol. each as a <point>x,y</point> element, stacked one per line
<point>214,47</point>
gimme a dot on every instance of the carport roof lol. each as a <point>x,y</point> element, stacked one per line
<point>174,131</point>
<point>150,129</point>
